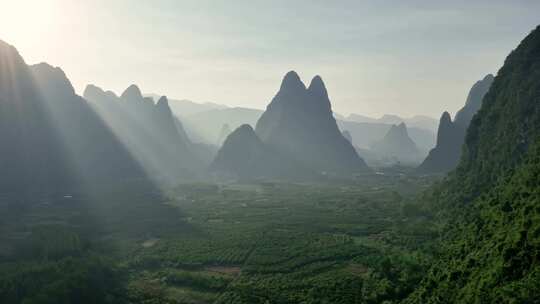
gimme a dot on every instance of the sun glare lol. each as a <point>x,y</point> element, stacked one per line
<point>24,21</point>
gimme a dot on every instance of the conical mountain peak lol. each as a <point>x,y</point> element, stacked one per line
<point>132,93</point>
<point>396,144</point>
<point>446,131</point>
<point>317,86</point>
<point>397,131</point>
<point>393,128</point>
<point>163,106</point>
<point>163,102</point>
<point>445,118</point>
<point>92,91</point>
<point>292,82</point>
<point>299,123</point>
<point>244,130</point>
<point>446,153</point>
<point>401,129</point>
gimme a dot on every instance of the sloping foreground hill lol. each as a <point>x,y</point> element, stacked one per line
<point>491,243</point>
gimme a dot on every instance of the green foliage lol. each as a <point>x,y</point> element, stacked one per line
<point>363,242</point>
<point>490,204</point>
<point>88,279</point>
<point>197,280</point>
<point>52,242</point>
<point>492,255</point>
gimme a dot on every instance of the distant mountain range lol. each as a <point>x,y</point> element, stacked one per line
<point>365,134</point>
<point>203,123</point>
<point>397,146</point>
<point>149,130</point>
<point>207,126</point>
<point>184,107</point>
<point>166,139</point>
<point>418,121</point>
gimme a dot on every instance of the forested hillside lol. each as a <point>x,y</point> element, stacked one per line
<point>491,243</point>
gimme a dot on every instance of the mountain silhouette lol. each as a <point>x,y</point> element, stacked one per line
<point>52,139</point>
<point>451,134</point>
<point>244,156</point>
<point>206,126</point>
<point>299,123</point>
<point>397,145</point>
<point>150,131</point>
<point>365,134</point>
<point>415,122</point>
<point>184,108</point>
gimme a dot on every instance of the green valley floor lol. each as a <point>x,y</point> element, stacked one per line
<point>366,241</point>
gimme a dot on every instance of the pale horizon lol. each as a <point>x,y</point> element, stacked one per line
<point>375,58</point>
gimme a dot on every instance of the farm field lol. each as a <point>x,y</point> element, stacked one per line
<point>365,241</point>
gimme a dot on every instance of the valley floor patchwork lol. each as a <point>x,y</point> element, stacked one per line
<point>235,243</point>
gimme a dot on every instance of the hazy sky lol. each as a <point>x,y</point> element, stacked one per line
<point>399,57</point>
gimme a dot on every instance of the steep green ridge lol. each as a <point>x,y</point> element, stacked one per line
<point>491,242</point>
